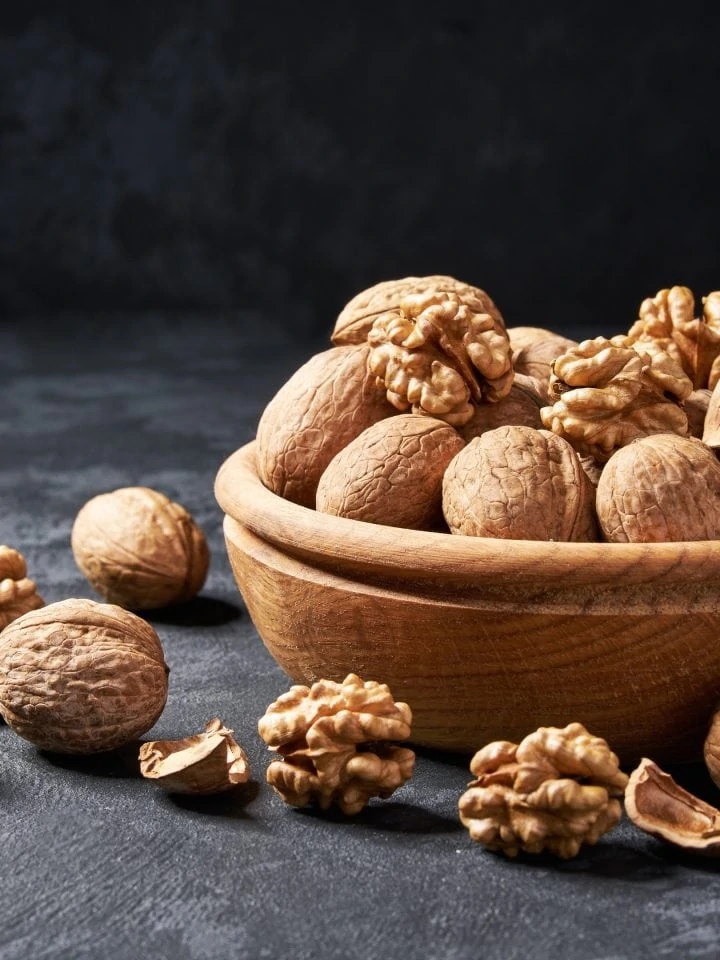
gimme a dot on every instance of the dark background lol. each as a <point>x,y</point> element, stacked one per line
<point>281,157</point>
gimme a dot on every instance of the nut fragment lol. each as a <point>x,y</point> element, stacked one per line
<point>520,408</point>
<point>81,677</point>
<point>357,317</point>
<point>519,484</point>
<point>332,738</point>
<point>661,488</point>
<point>18,594</point>
<point>659,806</point>
<point>139,549</point>
<point>668,320</point>
<point>711,425</point>
<point>392,473</point>
<point>209,762</point>
<point>328,402</point>
<point>535,350</point>
<point>606,393</point>
<point>554,791</point>
<point>436,353</point>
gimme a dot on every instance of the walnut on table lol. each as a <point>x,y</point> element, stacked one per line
<point>554,791</point>
<point>335,743</point>
<point>18,594</point>
<point>606,393</point>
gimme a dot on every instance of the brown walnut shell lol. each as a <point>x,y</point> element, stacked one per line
<point>357,317</point>
<point>696,408</point>
<point>206,763</point>
<point>139,549</point>
<point>661,488</point>
<point>328,402</point>
<point>81,677</point>
<point>521,484</point>
<point>520,408</point>
<point>392,473</point>
<point>534,351</point>
<point>711,749</point>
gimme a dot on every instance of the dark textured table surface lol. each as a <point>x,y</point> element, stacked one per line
<point>98,863</point>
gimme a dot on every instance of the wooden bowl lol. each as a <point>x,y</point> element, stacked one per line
<point>485,639</point>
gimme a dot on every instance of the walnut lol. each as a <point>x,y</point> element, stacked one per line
<point>392,473</point>
<point>711,749</point>
<point>520,484</point>
<point>332,739</point>
<point>436,353</point>
<point>139,549</point>
<point>209,762</point>
<point>668,320</point>
<point>534,350</point>
<point>696,408</point>
<point>521,408</point>
<point>711,424</point>
<point>357,317</point>
<point>554,791</point>
<point>659,806</point>
<point>605,393</point>
<point>81,677</point>
<point>18,595</point>
<point>660,488</point>
<point>328,402</point>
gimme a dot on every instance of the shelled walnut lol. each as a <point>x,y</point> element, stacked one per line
<point>335,743</point>
<point>81,677</point>
<point>437,354</point>
<point>554,791</point>
<point>18,594</point>
<point>206,763</point>
<point>606,393</point>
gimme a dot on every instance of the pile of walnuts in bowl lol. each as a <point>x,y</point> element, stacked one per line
<point>428,413</point>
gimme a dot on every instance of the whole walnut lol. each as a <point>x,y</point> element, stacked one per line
<point>660,488</point>
<point>328,402</point>
<point>357,317</point>
<point>139,549</point>
<point>520,484</point>
<point>534,351</point>
<point>81,677</point>
<point>392,473</point>
<point>520,408</point>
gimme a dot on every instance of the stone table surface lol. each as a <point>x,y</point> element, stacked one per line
<point>99,863</point>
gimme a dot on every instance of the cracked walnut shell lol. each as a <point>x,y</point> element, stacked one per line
<point>518,483</point>
<point>209,762</point>
<point>18,594</point>
<point>139,549</point>
<point>335,743</point>
<point>439,355</point>
<point>357,317</point>
<point>81,677</point>
<point>668,320</point>
<point>660,488</point>
<point>606,393</point>
<point>392,473</point>
<point>556,790</point>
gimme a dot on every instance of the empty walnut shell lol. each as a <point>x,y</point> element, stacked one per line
<point>81,677</point>
<point>209,762</point>
<point>659,806</point>
<point>661,488</point>
<point>357,317</point>
<point>521,484</point>
<point>18,594</point>
<point>392,473</point>
<point>139,549</point>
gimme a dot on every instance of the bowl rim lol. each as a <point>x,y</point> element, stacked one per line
<point>374,549</point>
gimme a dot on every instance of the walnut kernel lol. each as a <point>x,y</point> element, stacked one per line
<point>18,594</point>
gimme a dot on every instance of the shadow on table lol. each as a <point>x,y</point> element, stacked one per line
<point>121,764</point>
<point>389,816</point>
<point>230,804</point>
<point>200,612</point>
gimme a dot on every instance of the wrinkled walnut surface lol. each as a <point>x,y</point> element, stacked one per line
<point>357,317</point>
<point>18,594</point>
<point>438,354</point>
<point>534,351</point>
<point>335,743</point>
<point>661,488</point>
<point>668,319</point>
<point>554,791</point>
<point>660,806</point>
<point>81,677</point>
<point>606,393</point>
<point>520,408</point>
<point>209,762</point>
<point>521,484</point>
<point>328,402</point>
<point>711,749</point>
<point>696,408</point>
<point>392,473</point>
<point>139,549</point>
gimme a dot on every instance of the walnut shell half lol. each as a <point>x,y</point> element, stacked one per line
<point>209,762</point>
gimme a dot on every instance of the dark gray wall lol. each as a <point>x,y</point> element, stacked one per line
<point>283,156</point>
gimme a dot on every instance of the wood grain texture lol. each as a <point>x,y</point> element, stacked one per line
<point>485,639</point>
